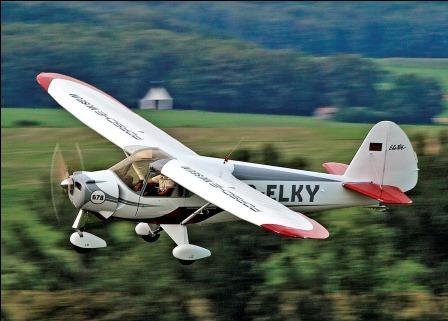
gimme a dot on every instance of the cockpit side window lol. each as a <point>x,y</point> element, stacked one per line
<point>141,173</point>
<point>132,170</point>
<point>132,173</point>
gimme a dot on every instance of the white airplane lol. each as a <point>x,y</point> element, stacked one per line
<point>162,185</point>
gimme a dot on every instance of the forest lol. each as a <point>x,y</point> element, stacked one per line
<point>205,71</point>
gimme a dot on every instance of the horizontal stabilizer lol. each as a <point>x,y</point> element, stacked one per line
<point>386,194</point>
<point>335,168</point>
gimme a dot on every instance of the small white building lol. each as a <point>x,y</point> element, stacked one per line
<point>157,98</point>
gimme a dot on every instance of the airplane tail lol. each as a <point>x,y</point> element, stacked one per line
<point>384,166</point>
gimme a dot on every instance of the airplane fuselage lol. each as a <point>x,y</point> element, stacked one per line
<point>301,191</point>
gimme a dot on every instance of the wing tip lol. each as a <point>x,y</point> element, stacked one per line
<point>318,231</point>
<point>44,79</point>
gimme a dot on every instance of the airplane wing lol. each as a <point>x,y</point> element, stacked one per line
<point>121,126</point>
<point>238,198</point>
<point>107,116</point>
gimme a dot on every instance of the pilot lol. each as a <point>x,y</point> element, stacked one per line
<point>165,184</point>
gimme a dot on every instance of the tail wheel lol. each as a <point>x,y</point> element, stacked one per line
<point>151,238</point>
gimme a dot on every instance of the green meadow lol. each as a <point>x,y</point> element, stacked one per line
<point>432,67</point>
<point>436,68</point>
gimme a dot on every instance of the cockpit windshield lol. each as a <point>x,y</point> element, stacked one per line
<point>140,171</point>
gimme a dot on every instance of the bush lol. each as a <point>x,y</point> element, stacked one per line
<point>26,123</point>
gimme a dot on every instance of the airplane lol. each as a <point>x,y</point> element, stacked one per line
<point>162,185</point>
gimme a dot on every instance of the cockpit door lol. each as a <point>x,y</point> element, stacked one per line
<point>145,189</point>
<point>159,192</point>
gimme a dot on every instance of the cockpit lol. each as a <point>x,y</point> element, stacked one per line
<point>141,172</point>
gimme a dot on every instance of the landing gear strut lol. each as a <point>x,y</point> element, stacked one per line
<point>84,241</point>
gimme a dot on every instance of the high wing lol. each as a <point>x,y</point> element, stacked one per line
<point>238,198</point>
<point>121,126</point>
<point>107,116</point>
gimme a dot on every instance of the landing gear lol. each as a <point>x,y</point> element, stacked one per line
<point>84,241</point>
<point>151,238</point>
<point>186,262</point>
<point>149,232</point>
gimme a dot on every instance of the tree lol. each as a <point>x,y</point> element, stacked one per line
<point>413,99</point>
<point>351,80</point>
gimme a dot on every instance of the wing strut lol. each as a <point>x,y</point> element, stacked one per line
<point>198,211</point>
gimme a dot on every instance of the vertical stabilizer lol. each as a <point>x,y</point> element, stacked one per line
<point>386,157</point>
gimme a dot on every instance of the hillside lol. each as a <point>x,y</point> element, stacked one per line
<point>123,47</point>
<point>370,28</point>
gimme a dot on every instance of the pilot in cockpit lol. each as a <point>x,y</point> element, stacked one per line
<point>165,185</point>
<point>157,184</point>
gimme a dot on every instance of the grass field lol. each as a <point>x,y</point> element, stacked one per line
<point>59,118</point>
<point>435,68</point>
<point>26,151</point>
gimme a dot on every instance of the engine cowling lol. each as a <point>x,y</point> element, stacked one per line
<point>94,191</point>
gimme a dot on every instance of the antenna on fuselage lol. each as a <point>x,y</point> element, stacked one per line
<point>227,157</point>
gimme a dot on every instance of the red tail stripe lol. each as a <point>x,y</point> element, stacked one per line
<point>386,194</point>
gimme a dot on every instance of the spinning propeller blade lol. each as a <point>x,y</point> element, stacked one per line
<point>81,158</point>
<point>59,175</point>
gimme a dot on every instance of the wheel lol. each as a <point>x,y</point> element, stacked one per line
<point>186,262</point>
<point>151,238</point>
<point>81,250</point>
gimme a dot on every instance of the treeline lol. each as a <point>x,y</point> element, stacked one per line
<point>207,74</point>
<point>386,29</point>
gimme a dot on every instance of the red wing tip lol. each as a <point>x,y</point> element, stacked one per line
<point>44,79</point>
<point>318,231</point>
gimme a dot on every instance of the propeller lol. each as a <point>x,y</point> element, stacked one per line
<point>60,177</point>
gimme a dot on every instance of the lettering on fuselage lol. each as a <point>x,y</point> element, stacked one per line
<point>294,193</point>
<point>111,120</point>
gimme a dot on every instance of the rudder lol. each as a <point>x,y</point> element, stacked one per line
<point>386,157</point>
